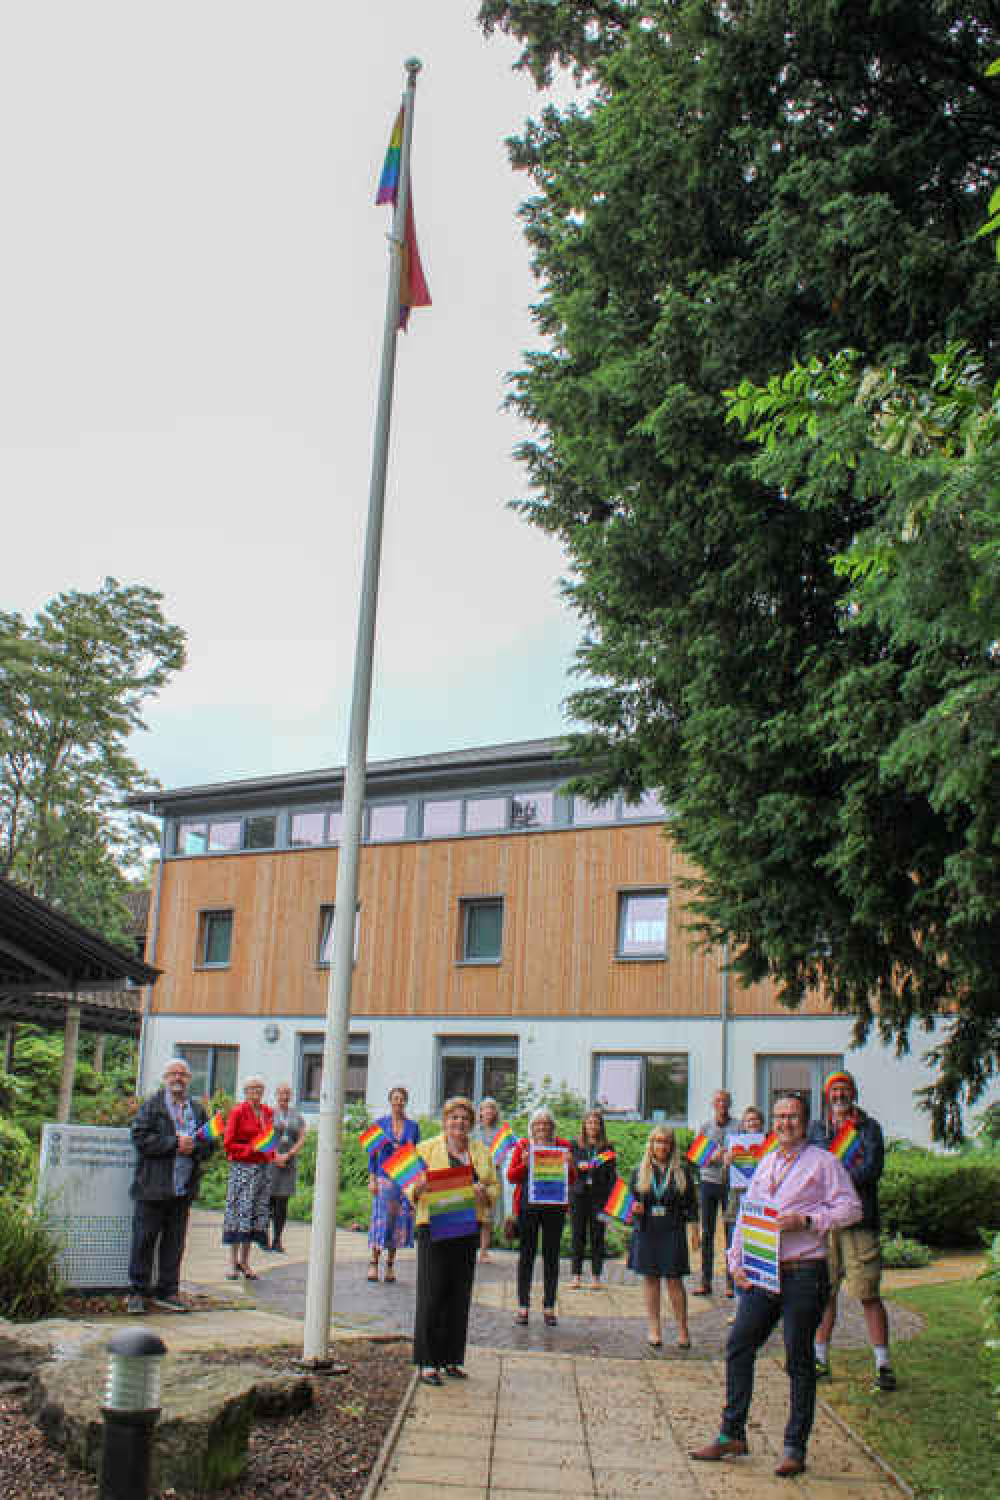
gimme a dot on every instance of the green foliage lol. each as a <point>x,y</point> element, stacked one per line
<point>988,1126</point>
<point>941,1200</point>
<point>103,1098</point>
<point>74,683</point>
<point>16,1157</point>
<point>739,189</point>
<point>991,1305</point>
<point>29,1282</point>
<point>899,1253</point>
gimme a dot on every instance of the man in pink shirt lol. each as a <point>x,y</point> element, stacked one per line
<point>812,1194</point>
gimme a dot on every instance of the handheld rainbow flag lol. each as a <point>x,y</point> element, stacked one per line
<point>413,289</point>
<point>501,1144</point>
<point>620,1205</point>
<point>760,1245</point>
<point>404,1164</point>
<point>213,1129</point>
<point>846,1144</point>
<point>548,1176</point>
<point>266,1141</point>
<point>604,1157</point>
<point>702,1150</point>
<point>372,1137</point>
<point>451,1203</point>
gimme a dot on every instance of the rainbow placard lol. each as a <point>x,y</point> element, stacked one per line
<point>501,1144</point>
<point>403,1165</point>
<point>548,1177</point>
<point>760,1242</point>
<point>265,1142</point>
<point>451,1203</point>
<point>213,1129</point>
<point>372,1137</point>
<point>846,1144</point>
<point>620,1205</point>
<point>745,1157</point>
<point>701,1150</point>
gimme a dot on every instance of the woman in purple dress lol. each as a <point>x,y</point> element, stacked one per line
<point>391,1226</point>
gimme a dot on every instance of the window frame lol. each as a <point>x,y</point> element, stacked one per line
<point>311,1044</point>
<point>323,935</point>
<point>466,905</point>
<point>624,896</point>
<point>213,1049</point>
<point>642,1113</point>
<point>201,961</point>
<point>478,1049</point>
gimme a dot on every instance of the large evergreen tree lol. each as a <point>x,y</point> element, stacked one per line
<point>740,185</point>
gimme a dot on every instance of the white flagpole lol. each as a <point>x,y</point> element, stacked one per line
<point>322,1253</point>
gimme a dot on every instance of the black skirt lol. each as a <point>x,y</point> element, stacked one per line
<point>659,1247</point>
<point>445,1273</point>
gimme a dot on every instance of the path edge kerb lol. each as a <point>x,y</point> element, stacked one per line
<point>390,1439</point>
<point>866,1449</point>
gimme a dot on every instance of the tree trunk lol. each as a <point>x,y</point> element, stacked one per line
<point>71,1037</point>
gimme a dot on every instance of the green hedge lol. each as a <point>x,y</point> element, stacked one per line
<point>941,1200</point>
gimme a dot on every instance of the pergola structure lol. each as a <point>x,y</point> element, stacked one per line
<point>53,972</point>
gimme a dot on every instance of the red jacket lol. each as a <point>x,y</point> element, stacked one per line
<point>243,1127</point>
<point>519,1163</point>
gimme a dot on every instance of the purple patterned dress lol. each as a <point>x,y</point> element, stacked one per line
<point>391,1225</point>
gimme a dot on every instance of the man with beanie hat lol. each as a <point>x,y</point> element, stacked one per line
<point>855,1254</point>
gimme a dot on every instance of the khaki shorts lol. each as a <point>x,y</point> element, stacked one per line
<point>855,1256</point>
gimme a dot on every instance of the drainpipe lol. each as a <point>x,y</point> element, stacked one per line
<point>724,1015</point>
<point>152,940</point>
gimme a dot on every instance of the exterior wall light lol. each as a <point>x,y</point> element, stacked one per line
<point>271,1032</point>
<point>130,1411</point>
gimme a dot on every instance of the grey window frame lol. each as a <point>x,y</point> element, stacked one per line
<point>638,1055</point>
<point>213,1049</point>
<point>623,898</point>
<point>310,1044</point>
<point>479,1048</point>
<point>201,937</point>
<point>329,906</point>
<point>821,1064</point>
<point>465,906</point>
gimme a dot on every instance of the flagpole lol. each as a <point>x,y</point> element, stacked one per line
<point>322,1252</point>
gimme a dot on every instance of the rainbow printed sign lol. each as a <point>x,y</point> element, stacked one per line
<point>620,1205</point>
<point>266,1142</point>
<point>744,1157</point>
<point>403,1165</point>
<point>373,1137</point>
<point>760,1242</point>
<point>501,1144</point>
<point>846,1144</point>
<point>548,1177</point>
<point>213,1129</point>
<point>701,1150</point>
<point>451,1203</point>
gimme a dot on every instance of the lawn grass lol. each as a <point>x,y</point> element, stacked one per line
<point>938,1430</point>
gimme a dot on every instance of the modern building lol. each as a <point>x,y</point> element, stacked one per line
<point>505,929</point>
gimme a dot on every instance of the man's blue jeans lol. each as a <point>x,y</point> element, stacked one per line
<point>805,1291</point>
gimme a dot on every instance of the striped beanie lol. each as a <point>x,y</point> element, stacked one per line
<point>836,1078</point>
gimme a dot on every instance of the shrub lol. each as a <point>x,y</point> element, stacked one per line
<point>29,1281</point>
<point>941,1200</point>
<point>991,1304</point>
<point>16,1159</point>
<point>899,1253</point>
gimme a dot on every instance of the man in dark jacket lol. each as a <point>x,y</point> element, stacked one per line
<point>167,1169</point>
<point>855,1254</point>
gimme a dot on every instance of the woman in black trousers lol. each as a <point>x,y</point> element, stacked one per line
<point>536,1221</point>
<point>589,1193</point>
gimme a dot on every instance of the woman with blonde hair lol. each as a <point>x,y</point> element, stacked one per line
<point>665,1203</point>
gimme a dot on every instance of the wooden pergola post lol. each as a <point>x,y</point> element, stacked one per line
<point>71,1037</point>
<point>99,1044</point>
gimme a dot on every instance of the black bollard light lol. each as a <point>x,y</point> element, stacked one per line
<point>130,1411</point>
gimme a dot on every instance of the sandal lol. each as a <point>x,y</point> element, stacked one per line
<point>247,1274</point>
<point>655,1343</point>
<point>522,1317</point>
<point>576,1284</point>
<point>683,1343</point>
<point>390,1275</point>
<point>373,1269</point>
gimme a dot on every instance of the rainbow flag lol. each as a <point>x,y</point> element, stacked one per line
<point>846,1144</point>
<point>451,1203</point>
<point>603,1157</point>
<point>404,1164</point>
<point>266,1141</point>
<point>767,1145</point>
<point>701,1150</point>
<point>600,1160</point>
<point>388,183</point>
<point>501,1144</point>
<point>372,1137</point>
<point>548,1176</point>
<point>213,1129</point>
<point>760,1245</point>
<point>620,1204</point>
<point>413,289</point>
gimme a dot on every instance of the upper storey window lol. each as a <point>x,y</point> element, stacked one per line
<point>485,814</point>
<point>593,812</point>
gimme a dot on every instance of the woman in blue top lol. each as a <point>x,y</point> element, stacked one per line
<point>391,1227</point>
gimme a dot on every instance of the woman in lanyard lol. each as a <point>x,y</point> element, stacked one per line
<point>665,1203</point>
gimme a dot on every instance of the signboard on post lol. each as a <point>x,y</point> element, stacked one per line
<point>84,1177</point>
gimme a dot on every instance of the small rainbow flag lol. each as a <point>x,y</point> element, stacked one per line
<point>702,1150</point>
<point>388,184</point>
<point>213,1129</point>
<point>451,1203</point>
<point>266,1141</point>
<point>501,1143</point>
<point>602,1159</point>
<point>620,1204</point>
<point>846,1144</point>
<point>548,1179</point>
<point>404,1164</point>
<point>372,1137</point>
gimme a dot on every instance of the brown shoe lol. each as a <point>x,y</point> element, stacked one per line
<point>789,1467</point>
<point>701,1291</point>
<point>721,1448</point>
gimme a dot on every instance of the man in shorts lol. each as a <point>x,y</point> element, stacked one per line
<point>854,1254</point>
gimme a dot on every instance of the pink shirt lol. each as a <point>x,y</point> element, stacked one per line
<point>814,1183</point>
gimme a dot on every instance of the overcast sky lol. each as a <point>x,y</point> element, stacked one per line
<point>190,321</point>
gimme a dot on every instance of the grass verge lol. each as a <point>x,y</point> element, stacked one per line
<point>935,1430</point>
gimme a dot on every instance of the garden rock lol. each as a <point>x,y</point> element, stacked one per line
<point>200,1441</point>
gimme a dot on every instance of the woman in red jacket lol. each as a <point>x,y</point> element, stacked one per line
<point>534,1219</point>
<point>249,1191</point>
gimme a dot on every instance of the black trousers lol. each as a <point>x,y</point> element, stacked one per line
<point>278,1209</point>
<point>162,1224</point>
<point>713,1203</point>
<point>805,1290</point>
<point>445,1273</point>
<point>547,1222</point>
<point>583,1214</point>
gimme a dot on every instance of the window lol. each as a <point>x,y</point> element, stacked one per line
<point>192,838</point>
<point>642,924</point>
<point>224,836</point>
<point>651,1086</point>
<point>585,811</point>
<point>481,930</point>
<point>648,806</point>
<point>533,810</point>
<point>485,814</point>
<point>387,822</point>
<point>214,1069</point>
<point>479,1067</point>
<point>308,829</point>
<point>324,949</point>
<point>442,819</point>
<point>794,1075</point>
<point>260,832</point>
<point>215,939</point>
<point>310,1070</point>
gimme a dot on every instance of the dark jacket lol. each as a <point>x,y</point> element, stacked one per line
<point>866,1170</point>
<point>681,1207</point>
<point>592,1184</point>
<point>155,1140</point>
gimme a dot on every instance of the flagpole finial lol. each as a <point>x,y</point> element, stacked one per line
<point>413,66</point>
